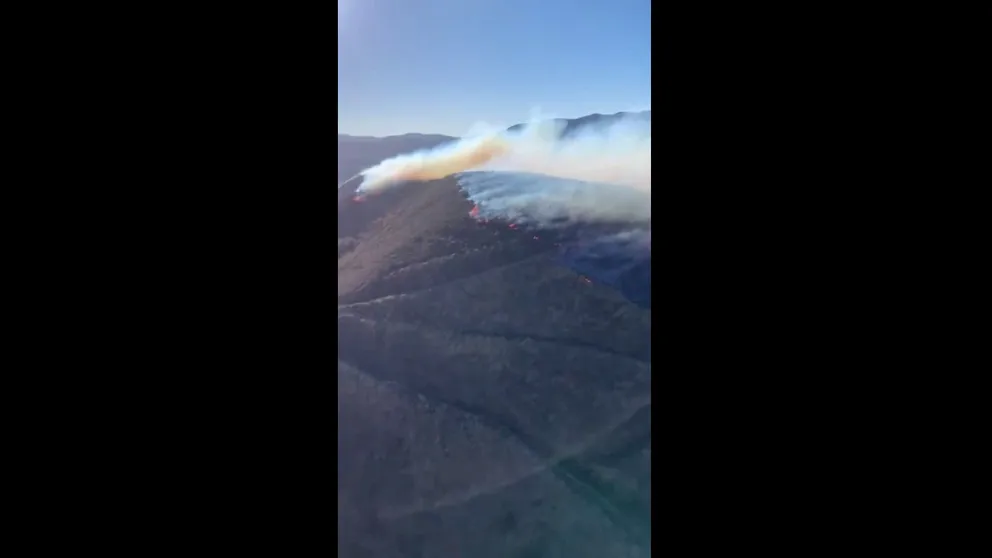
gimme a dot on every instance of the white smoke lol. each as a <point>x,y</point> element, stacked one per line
<point>601,171</point>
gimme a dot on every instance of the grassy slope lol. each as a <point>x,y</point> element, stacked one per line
<point>490,402</point>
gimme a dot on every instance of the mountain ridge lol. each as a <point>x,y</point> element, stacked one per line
<point>493,400</point>
<point>570,123</point>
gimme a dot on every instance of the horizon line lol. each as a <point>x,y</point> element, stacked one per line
<point>534,113</point>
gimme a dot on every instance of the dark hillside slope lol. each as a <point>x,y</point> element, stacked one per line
<point>357,153</point>
<point>491,402</point>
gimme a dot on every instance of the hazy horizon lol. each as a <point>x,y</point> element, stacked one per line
<point>444,66</point>
<point>522,121</point>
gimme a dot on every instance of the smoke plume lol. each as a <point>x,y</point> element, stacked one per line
<point>543,172</point>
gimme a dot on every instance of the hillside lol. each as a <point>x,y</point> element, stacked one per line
<point>492,401</point>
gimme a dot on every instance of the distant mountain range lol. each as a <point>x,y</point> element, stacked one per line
<point>574,124</point>
<point>433,139</point>
<point>412,138</point>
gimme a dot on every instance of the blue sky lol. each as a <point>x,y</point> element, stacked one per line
<point>440,66</point>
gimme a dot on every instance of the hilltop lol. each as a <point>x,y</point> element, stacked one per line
<point>490,398</point>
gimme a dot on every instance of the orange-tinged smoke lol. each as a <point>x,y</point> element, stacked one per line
<point>435,163</point>
<point>599,171</point>
<point>617,152</point>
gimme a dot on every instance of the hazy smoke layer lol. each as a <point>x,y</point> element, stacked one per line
<point>601,171</point>
<point>434,163</point>
<point>544,200</point>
